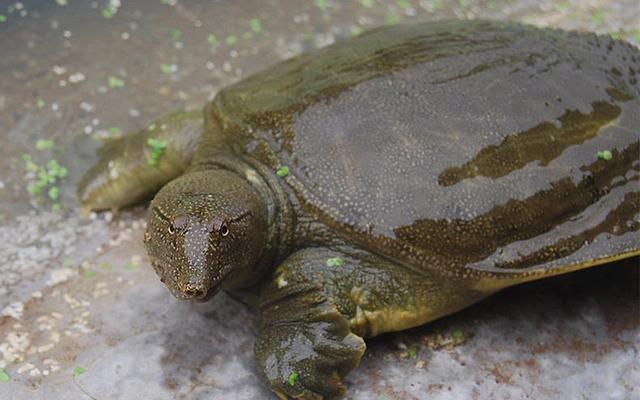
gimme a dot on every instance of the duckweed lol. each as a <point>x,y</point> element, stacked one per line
<point>256,25</point>
<point>44,144</point>
<point>131,266</point>
<point>212,39</point>
<point>322,4</point>
<point>44,179</point>
<point>106,265</point>
<point>293,378</point>
<point>282,171</point>
<point>108,12</point>
<point>366,3</point>
<point>158,147</point>
<point>175,34</point>
<point>115,82</point>
<point>87,273</point>
<point>168,68</point>
<point>457,335</point>
<point>392,19</point>
<point>335,262</point>
<point>605,155</point>
<point>54,193</point>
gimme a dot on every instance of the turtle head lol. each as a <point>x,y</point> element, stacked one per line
<point>204,229</point>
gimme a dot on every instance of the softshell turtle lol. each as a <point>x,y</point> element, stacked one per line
<point>388,180</point>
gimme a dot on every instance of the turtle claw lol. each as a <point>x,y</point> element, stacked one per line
<point>309,359</point>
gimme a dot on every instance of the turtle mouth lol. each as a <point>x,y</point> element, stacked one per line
<point>200,294</point>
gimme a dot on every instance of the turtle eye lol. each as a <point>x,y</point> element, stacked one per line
<point>224,230</point>
<point>171,229</point>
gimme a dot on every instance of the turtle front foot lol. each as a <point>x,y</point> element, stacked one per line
<point>305,347</point>
<point>309,359</point>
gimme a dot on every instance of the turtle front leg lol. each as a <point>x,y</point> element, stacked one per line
<point>136,166</point>
<point>321,302</point>
<point>305,347</point>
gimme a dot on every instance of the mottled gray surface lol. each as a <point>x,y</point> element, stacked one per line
<point>79,293</point>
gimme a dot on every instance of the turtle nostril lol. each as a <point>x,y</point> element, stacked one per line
<point>194,292</point>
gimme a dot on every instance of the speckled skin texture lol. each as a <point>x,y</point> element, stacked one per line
<point>439,162</point>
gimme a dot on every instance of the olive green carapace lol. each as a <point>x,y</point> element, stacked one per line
<point>388,180</point>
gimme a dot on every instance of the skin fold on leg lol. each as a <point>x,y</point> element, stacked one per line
<point>134,167</point>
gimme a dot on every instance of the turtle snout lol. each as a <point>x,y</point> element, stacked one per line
<point>193,290</point>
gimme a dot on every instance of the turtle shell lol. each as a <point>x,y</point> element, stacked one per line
<point>478,149</point>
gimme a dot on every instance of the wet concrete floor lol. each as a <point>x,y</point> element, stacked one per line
<point>82,314</point>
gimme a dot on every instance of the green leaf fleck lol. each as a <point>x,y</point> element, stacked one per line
<point>3,18</point>
<point>34,189</point>
<point>88,273</point>
<point>464,4</point>
<point>131,266</point>
<point>605,155</point>
<point>42,144</point>
<point>457,335</point>
<point>168,68</point>
<point>256,25</point>
<point>231,40</point>
<point>412,352</point>
<point>78,371</point>
<point>176,34</point>
<point>113,131</point>
<point>54,193</point>
<point>157,144</point>
<point>335,262</point>
<point>108,12</point>
<point>30,165</point>
<point>282,171</point>
<point>212,39</point>
<point>356,30</point>
<point>106,265</point>
<point>366,3</point>
<point>322,4</point>
<point>41,103</point>
<point>392,19</point>
<point>598,17</point>
<point>293,378</point>
<point>115,82</point>
<point>4,377</point>
<point>158,147</point>
<point>55,207</point>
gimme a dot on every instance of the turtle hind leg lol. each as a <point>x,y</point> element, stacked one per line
<point>134,167</point>
<point>321,302</point>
